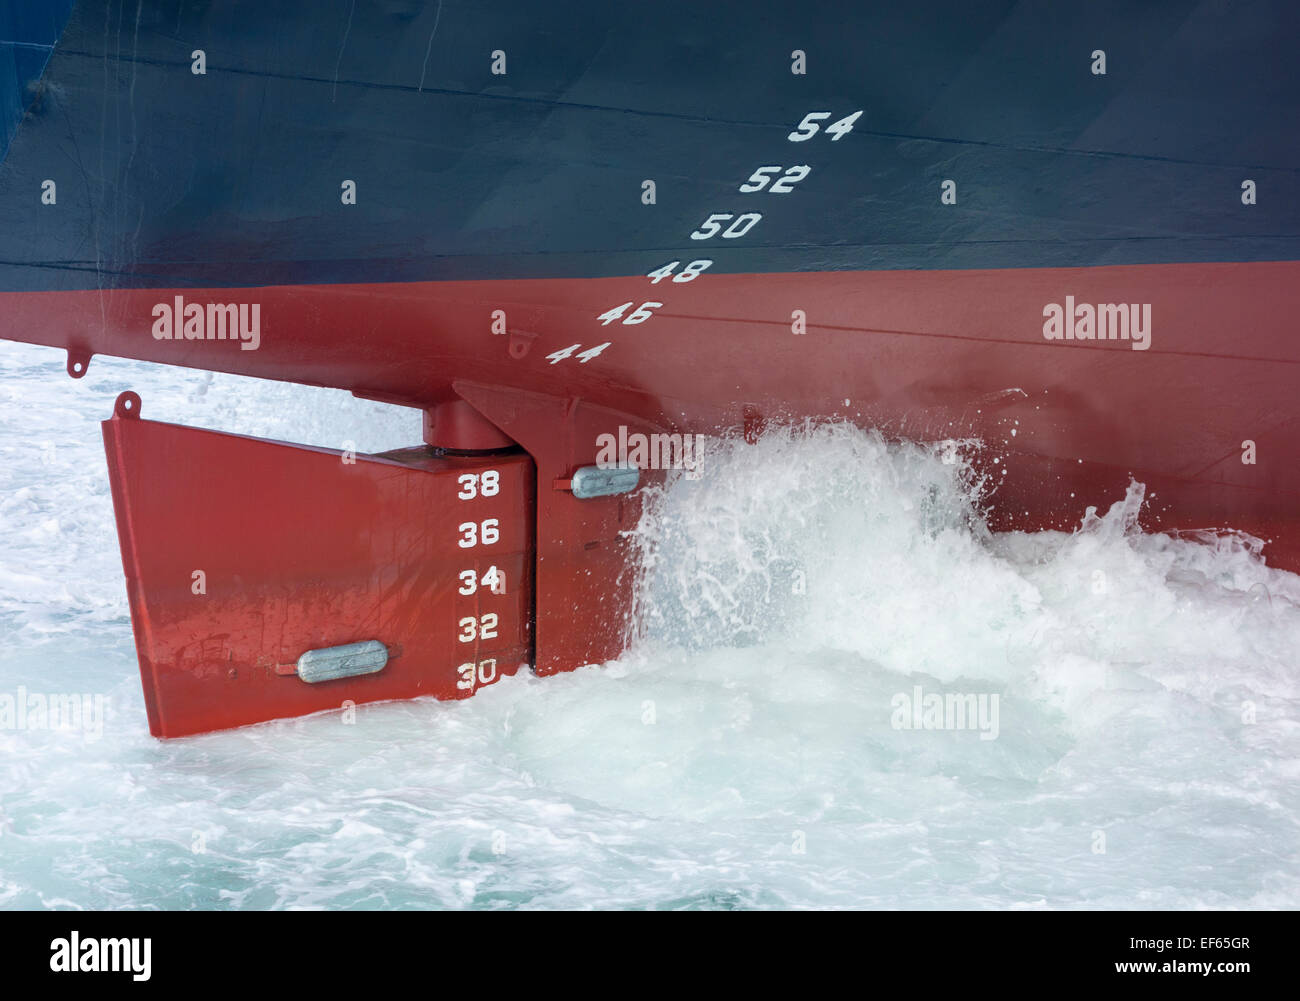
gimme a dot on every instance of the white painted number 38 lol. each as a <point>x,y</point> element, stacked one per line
<point>471,485</point>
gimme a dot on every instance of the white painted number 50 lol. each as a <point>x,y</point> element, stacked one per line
<point>742,225</point>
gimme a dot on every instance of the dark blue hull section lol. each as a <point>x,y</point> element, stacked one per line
<point>28,32</point>
<point>167,178</point>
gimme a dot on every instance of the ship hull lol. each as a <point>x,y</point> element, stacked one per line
<point>1063,240</point>
<point>1204,415</point>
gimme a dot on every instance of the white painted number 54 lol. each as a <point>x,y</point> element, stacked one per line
<point>809,126</point>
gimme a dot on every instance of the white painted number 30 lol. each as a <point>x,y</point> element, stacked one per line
<point>482,673</point>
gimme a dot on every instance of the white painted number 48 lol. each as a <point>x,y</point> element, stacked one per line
<point>687,274</point>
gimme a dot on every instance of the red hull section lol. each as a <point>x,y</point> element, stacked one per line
<point>1206,414</point>
<point>926,355</point>
<point>242,555</point>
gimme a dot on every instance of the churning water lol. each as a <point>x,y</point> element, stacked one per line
<point>1132,736</point>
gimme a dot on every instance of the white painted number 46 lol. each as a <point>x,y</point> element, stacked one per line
<point>638,315</point>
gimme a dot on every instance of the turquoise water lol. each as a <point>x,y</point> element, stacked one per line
<point>748,752</point>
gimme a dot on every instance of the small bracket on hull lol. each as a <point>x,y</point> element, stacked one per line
<point>521,342</point>
<point>127,405</point>
<point>78,362</point>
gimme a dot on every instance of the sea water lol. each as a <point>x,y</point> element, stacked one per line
<point>772,739</point>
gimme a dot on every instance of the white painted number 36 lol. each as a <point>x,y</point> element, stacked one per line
<point>472,535</point>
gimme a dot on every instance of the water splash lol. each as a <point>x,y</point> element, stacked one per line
<point>743,753</point>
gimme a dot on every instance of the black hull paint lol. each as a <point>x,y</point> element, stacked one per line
<point>166,178</point>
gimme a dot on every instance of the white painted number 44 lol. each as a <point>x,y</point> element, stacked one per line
<point>555,357</point>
